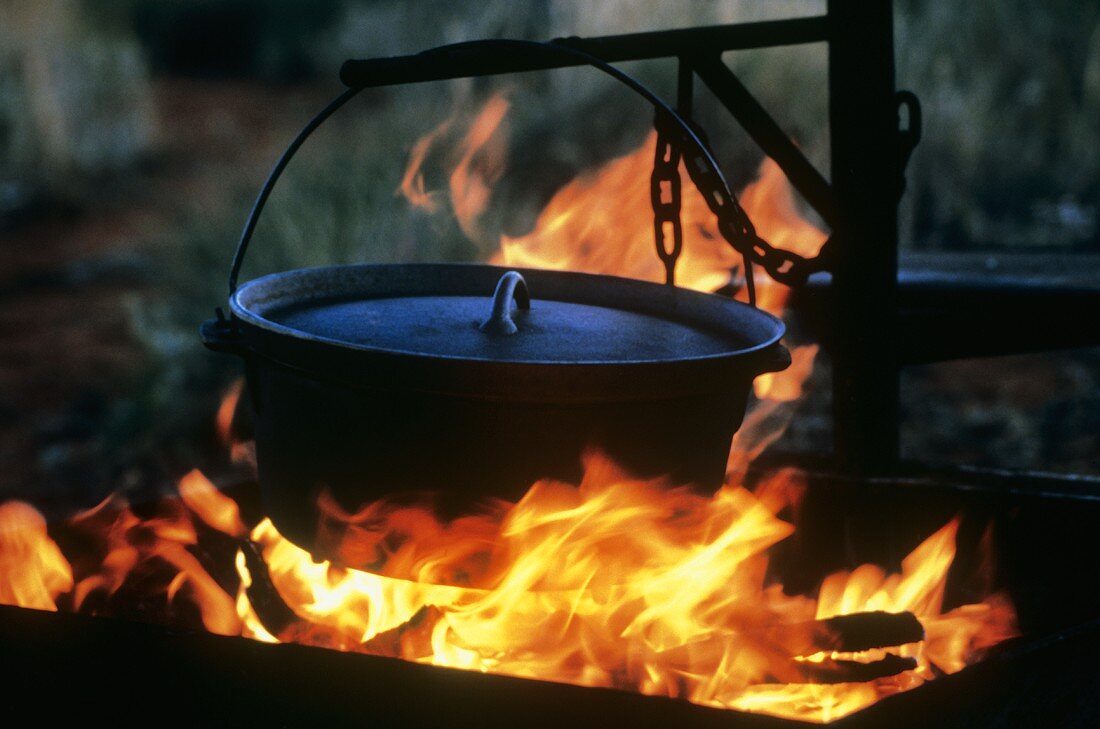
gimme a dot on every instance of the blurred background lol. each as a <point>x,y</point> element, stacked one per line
<point>133,134</point>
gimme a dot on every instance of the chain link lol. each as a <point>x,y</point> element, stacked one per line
<point>784,266</point>
<point>664,194</point>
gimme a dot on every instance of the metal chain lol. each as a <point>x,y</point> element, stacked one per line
<point>664,194</point>
<point>784,266</point>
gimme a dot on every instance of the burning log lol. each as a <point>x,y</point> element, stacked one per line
<point>843,634</point>
<point>828,651</point>
<point>272,611</point>
<point>869,630</point>
<point>857,671</point>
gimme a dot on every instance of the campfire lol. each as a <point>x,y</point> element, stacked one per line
<point>638,584</point>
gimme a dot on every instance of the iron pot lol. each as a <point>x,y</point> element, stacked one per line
<point>371,380</point>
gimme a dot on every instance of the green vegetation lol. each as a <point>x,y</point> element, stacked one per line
<point>1011,94</point>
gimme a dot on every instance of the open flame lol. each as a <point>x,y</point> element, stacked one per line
<point>628,584</point>
<point>602,222</point>
<point>33,571</point>
<point>611,582</point>
<point>479,162</point>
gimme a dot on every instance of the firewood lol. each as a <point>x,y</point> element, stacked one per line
<point>270,608</point>
<point>843,633</point>
<point>830,671</point>
<point>864,631</point>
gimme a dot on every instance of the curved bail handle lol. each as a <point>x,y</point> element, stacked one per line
<point>469,57</point>
<point>511,286</point>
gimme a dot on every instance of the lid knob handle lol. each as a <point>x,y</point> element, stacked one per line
<point>511,286</point>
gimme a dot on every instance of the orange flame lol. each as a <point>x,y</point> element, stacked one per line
<point>481,161</point>
<point>212,506</point>
<point>239,451</point>
<point>601,222</point>
<point>770,204</point>
<point>33,571</point>
<point>223,421</point>
<point>615,582</point>
<point>786,386</point>
<point>481,164</point>
<point>133,546</point>
<point>412,182</point>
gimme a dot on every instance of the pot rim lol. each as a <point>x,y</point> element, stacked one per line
<point>240,307</point>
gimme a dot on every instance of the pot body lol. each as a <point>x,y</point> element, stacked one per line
<point>362,423</point>
<point>360,445</point>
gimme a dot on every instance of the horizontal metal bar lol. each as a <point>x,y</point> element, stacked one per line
<point>764,130</point>
<point>996,484</point>
<point>957,306</point>
<point>437,65</point>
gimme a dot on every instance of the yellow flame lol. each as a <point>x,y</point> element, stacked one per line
<point>628,584</point>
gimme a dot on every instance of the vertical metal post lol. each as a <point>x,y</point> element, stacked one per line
<point>863,126</point>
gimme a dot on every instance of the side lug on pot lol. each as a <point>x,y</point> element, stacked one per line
<point>778,358</point>
<point>221,335</point>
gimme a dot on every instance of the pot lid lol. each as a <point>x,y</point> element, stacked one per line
<point>475,312</point>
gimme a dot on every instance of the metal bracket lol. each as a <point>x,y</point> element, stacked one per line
<point>764,130</point>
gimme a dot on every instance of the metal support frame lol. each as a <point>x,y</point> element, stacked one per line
<point>764,130</point>
<point>860,205</point>
<point>864,130</point>
<point>698,49</point>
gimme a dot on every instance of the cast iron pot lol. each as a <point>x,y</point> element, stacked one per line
<point>477,381</point>
<point>474,381</point>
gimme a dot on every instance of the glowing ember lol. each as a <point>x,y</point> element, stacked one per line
<point>611,582</point>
